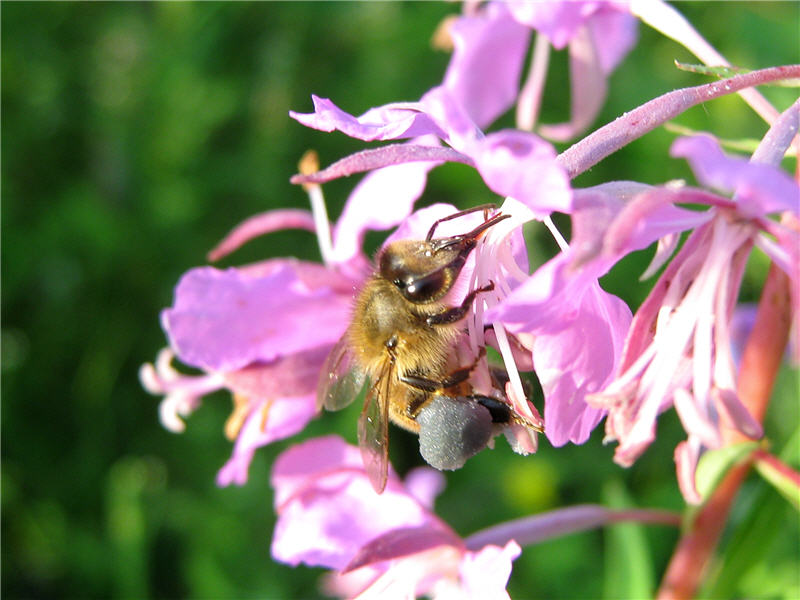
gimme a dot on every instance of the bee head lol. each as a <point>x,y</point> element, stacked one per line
<point>422,272</point>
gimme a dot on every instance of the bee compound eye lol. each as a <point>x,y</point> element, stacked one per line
<point>452,430</point>
<point>424,289</point>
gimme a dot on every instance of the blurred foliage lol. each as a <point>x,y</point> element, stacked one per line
<point>135,135</point>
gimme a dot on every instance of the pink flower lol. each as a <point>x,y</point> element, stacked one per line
<point>575,330</point>
<point>678,351</point>
<point>261,331</point>
<point>383,546</point>
<point>598,36</point>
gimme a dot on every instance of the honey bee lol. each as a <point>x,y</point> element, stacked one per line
<point>401,346</point>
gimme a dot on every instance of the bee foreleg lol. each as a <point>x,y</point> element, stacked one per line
<point>456,313</point>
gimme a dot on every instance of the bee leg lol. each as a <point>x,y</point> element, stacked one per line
<point>430,385</point>
<point>500,411</point>
<point>453,379</point>
<point>456,313</point>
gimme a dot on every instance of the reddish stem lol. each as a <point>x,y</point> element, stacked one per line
<point>760,362</point>
<point>761,457</point>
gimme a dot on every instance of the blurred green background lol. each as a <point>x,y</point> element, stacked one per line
<point>134,137</point>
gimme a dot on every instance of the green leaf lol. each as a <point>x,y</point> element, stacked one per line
<point>713,465</point>
<point>628,563</point>
<point>764,522</point>
<point>781,477</point>
<point>725,72</point>
<point>721,72</point>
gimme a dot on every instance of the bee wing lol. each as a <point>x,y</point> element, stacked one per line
<point>340,380</point>
<point>373,431</point>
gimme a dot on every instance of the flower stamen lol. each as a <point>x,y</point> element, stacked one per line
<point>309,164</point>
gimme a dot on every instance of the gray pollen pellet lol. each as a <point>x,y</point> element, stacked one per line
<point>452,430</point>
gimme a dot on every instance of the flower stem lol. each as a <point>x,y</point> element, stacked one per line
<point>760,362</point>
<point>634,124</point>
<point>563,521</point>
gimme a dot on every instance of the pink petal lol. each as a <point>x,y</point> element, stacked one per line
<point>222,320</point>
<point>269,421</point>
<point>616,218</point>
<point>521,165</point>
<point>313,275</point>
<point>614,31</point>
<point>578,334</point>
<point>327,508</point>
<point>425,485</point>
<point>290,375</point>
<point>574,364</point>
<point>484,574</point>
<point>588,89</point>
<point>301,463</point>
<point>650,216</point>
<point>484,71</point>
<point>559,21</point>
<point>760,188</point>
<point>735,414</point>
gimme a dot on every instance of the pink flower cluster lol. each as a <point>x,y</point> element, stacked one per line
<point>263,331</point>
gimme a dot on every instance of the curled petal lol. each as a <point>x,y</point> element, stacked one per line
<point>182,393</point>
<point>389,122</point>
<point>267,222</point>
